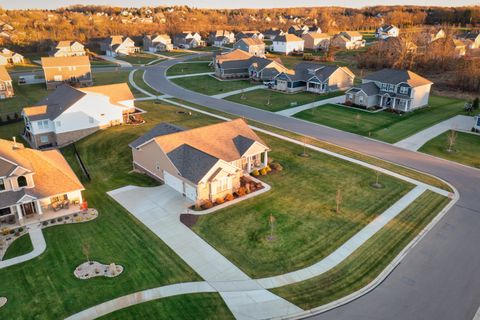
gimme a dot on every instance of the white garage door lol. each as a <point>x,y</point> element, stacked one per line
<point>281,85</point>
<point>190,192</point>
<point>173,182</point>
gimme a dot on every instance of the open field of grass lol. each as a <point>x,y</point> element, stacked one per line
<point>466,149</point>
<point>21,246</point>
<point>369,260</point>
<point>139,58</point>
<point>189,68</point>
<point>385,126</point>
<point>210,86</point>
<point>275,101</point>
<point>184,307</point>
<point>25,95</point>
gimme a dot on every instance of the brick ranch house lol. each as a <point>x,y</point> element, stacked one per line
<point>205,163</point>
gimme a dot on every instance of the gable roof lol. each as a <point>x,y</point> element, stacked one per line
<point>252,41</point>
<point>66,43</point>
<point>394,76</point>
<point>4,76</point>
<point>112,40</point>
<point>288,37</point>
<point>193,164</point>
<point>387,27</point>
<point>352,34</point>
<point>116,92</point>
<point>370,88</point>
<point>307,70</point>
<point>159,130</point>
<point>50,62</point>
<point>236,54</point>
<point>316,35</point>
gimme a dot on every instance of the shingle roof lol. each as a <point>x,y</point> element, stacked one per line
<point>370,88</point>
<point>193,164</point>
<point>306,70</point>
<point>393,76</point>
<point>236,54</point>
<point>4,76</point>
<point>116,92</point>
<point>6,167</point>
<point>159,130</point>
<point>288,37</point>
<point>252,41</point>
<point>65,61</point>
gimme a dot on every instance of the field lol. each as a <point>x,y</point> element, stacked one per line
<point>138,58</point>
<point>209,85</point>
<point>189,68</point>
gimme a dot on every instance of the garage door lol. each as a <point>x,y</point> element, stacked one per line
<point>190,192</point>
<point>173,182</point>
<point>281,85</point>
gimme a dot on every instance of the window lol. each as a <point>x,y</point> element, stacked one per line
<point>58,123</point>
<point>360,99</point>
<point>223,184</point>
<point>90,119</point>
<point>44,139</point>
<point>43,124</point>
<point>22,181</point>
<point>5,212</point>
<point>391,87</point>
<point>2,184</point>
<point>404,90</point>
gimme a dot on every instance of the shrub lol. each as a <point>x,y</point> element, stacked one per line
<point>60,219</point>
<point>75,215</point>
<point>277,166</point>
<point>52,221</point>
<point>219,201</point>
<point>12,231</point>
<point>20,229</point>
<point>45,223</point>
<point>268,168</point>
<point>207,204</point>
<point>263,172</point>
<point>241,191</point>
<point>255,173</point>
<point>229,197</point>
<point>258,185</point>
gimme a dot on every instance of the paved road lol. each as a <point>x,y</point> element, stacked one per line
<point>440,277</point>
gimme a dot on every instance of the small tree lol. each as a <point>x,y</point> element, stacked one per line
<point>476,103</point>
<point>338,200</point>
<point>452,138</point>
<point>358,117</point>
<point>86,250</point>
<point>268,100</point>
<point>271,222</point>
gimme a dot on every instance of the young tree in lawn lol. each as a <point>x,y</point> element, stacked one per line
<point>338,200</point>
<point>86,250</point>
<point>271,222</point>
<point>452,138</point>
<point>358,117</point>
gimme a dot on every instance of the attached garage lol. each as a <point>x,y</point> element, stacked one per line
<point>184,188</point>
<point>190,192</point>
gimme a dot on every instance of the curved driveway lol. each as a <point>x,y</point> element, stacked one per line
<point>440,277</point>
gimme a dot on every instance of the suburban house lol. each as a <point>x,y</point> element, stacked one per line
<point>205,163</point>
<point>298,30</point>
<point>34,183</point>
<point>188,40</point>
<point>287,44</point>
<point>75,71</point>
<point>157,43</point>
<point>316,41</point>
<point>69,114</point>
<point>254,46</point>
<point>270,34</point>
<point>8,57</point>
<point>387,31</point>
<point>249,34</point>
<point>221,37</point>
<point>459,47</point>
<point>472,39</point>
<point>118,45</point>
<point>400,90</point>
<point>348,40</point>
<point>315,77</point>
<point>6,87</point>
<point>435,35</point>
<point>69,49</point>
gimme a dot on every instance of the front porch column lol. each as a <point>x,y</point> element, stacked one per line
<point>265,158</point>
<point>249,165</point>
<point>39,207</point>
<point>19,212</point>
<point>393,103</point>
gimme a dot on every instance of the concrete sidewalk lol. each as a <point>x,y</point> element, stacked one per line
<point>415,142</point>
<point>121,63</point>
<point>39,246</point>
<point>290,112</point>
<point>231,93</point>
<point>133,84</point>
<point>191,75</point>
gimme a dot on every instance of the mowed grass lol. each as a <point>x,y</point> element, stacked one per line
<point>139,58</point>
<point>19,247</point>
<point>466,149</point>
<point>302,200</point>
<point>189,68</point>
<point>25,96</point>
<point>288,61</point>
<point>187,307</point>
<point>115,236</point>
<point>209,85</point>
<point>385,126</point>
<point>275,101</point>
<point>112,77</point>
<point>138,79</point>
<point>366,263</point>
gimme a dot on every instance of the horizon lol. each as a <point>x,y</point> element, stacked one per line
<point>208,4</point>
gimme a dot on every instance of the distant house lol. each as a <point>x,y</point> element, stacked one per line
<point>288,43</point>
<point>472,39</point>
<point>316,41</point>
<point>435,35</point>
<point>270,34</point>
<point>221,37</point>
<point>240,64</point>
<point>118,45</point>
<point>157,43</point>
<point>69,114</point>
<point>188,40</point>
<point>204,163</point>
<point>75,71</point>
<point>6,87</point>
<point>400,90</point>
<point>387,31</point>
<point>254,46</point>
<point>298,30</point>
<point>35,183</point>
<point>459,47</point>
<point>349,40</point>
<point>249,34</point>
<point>69,49</point>
<point>316,78</point>
<point>8,57</point>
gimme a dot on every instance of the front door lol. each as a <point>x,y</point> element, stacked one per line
<point>29,209</point>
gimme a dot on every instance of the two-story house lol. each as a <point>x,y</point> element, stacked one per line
<point>249,34</point>
<point>471,39</point>
<point>118,45</point>
<point>271,33</point>
<point>8,57</point>
<point>254,46</point>
<point>157,43</point>
<point>387,31</point>
<point>188,40</point>
<point>69,114</point>
<point>34,183</point>
<point>348,40</point>
<point>6,87</point>
<point>316,41</point>
<point>288,43</point>
<point>400,90</point>
<point>75,71</point>
<point>69,49</point>
<point>220,38</point>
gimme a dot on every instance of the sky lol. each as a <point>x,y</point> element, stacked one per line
<point>52,4</point>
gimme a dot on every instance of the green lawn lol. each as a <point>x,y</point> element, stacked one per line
<point>385,126</point>
<point>138,58</point>
<point>111,77</point>
<point>189,68</point>
<point>466,149</point>
<point>174,53</point>
<point>369,260</point>
<point>21,246</point>
<point>202,58</point>
<point>25,95</point>
<point>187,307</point>
<point>275,101</point>
<point>288,61</point>
<point>102,63</point>
<point>210,86</point>
<point>115,236</point>
<point>138,79</point>
<point>302,200</point>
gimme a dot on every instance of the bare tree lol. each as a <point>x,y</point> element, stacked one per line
<point>452,138</point>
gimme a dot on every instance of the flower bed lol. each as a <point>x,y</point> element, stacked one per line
<point>92,269</point>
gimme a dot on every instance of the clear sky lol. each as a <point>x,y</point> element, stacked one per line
<point>52,4</point>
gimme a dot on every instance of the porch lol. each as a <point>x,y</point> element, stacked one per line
<point>316,87</point>
<point>256,161</point>
<point>387,101</point>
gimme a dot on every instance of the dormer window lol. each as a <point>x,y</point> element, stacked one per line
<point>404,90</point>
<point>22,181</point>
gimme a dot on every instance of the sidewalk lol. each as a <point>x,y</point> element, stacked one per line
<point>39,246</point>
<point>231,93</point>
<point>415,142</point>
<point>145,92</point>
<point>191,75</point>
<point>121,63</point>
<point>290,112</point>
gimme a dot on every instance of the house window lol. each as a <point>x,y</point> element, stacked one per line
<point>223,184</point>
<point>391,87</point>
<point>44,139</point>
<point>404,90</point>
<point>57,78</point>
<point>384,86</point>
<point>22,181</point>
<point>2,184</point>
<point>360,99</point>
<point>90,119</point>
<point>43,124</point>
<point>5,212</point>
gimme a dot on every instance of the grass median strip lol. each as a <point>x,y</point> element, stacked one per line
<point>188,68</point>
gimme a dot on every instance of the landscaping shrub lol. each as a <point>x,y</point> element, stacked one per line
<point>277,166</point>
<point>5,231</point>
<point>52,221</point>
<point>59,219</point>
<point>241,191</point>
<point>263,172</point>
<point>20,229</point>
<point>75,215</point>
<point>45,223</point>
<point>229,197</point>
<point>268,168</point>
<point>255,173</point>
<point>12,231</point>
<point>207,204</point>
<point>219,201</point>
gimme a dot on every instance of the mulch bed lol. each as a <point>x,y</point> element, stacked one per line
<point>188,219</point>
